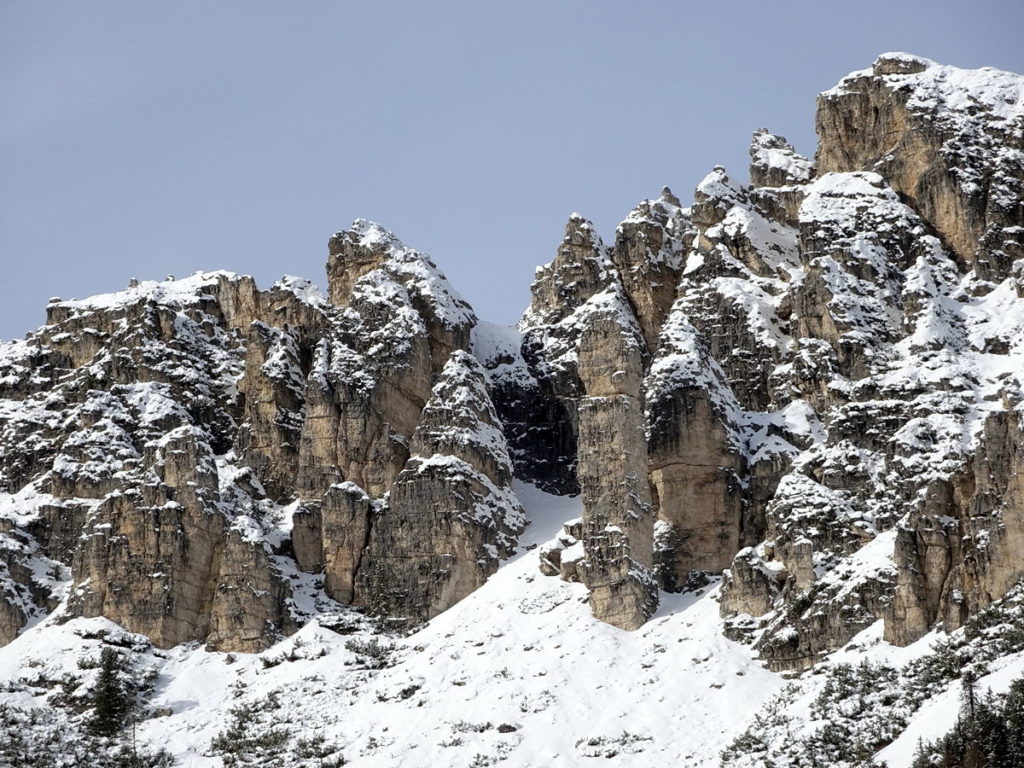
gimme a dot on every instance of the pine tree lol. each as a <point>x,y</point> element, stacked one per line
<point>969,694</point>
<point>110,702</point>
<point>1013,717</point>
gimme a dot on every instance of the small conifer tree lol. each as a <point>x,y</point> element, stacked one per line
<point>110,701</point>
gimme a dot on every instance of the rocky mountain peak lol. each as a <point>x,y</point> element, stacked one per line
<point>947,139</point>
<point>775,163</point>
<point>668,197</point>
<point>792,409</point>
<point>898,63</point>
<point>352,253</point>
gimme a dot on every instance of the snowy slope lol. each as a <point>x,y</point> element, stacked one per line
<point>518,673</point>
<point>522,651</point>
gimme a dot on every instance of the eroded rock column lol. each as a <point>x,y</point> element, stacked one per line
<point>618,521</point>
<point>451,514</point>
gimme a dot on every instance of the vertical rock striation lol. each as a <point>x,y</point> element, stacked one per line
<point>451,513</point>
<point>811,381</point>
<point>618,521</point>
<point>948,139</point>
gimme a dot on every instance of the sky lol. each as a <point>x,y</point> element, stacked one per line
<point>140,139</point>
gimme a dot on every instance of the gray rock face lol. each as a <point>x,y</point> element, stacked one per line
<point>811,382</point>
<point>947,139</point>
<point>451,513</point>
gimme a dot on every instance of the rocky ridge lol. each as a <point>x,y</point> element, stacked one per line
<point>820,395</point>
<point>200,460</point>
<point>810,381</point>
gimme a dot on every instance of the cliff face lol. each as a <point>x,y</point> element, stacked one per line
<point>947,139</point>
<point>810,381</point>
<point>831,398</point>
<point>181,452</point>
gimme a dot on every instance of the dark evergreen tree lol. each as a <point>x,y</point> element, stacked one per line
<point>988,733</point>
<point>1013,720</point>
<point>111,703</point>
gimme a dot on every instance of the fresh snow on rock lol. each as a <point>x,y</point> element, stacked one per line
<point>522,652</point>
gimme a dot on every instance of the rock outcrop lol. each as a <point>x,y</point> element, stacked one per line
<point>959,551</point>
<point>214,439</point>
<point>897,352</point>
<point>618,521</point>
<point>811,381</point>
<point>809,385</point>
<point>695,460</point>
<point>451,514</point>
<point>648,253</point>
<point>947,139</point>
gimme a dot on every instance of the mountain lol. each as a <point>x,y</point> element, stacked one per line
<point>742,488</point>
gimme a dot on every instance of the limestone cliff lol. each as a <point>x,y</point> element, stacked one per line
<point>179,452</point>
<point>815,395</point>
<point>807,384</point>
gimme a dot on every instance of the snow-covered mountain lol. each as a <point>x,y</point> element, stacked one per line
<point>742,488</point>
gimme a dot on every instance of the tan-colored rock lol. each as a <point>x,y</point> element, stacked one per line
<point>12,618</point>
<point>249,611</point>
<point>910,120</point>
<point>856,237</point>
<point>372,376</point>
<point>578,271</point>
<point>323,397</point>
<point>363,398</point>
<point>16,585</point>
<point>345,513</point>
<point>330,537</point>
<point>694,457</point>
<point>149,563</point>
<point>610,349</point>
<point>307,537</point>
<point>540,405</point>
<point>693,470</point>
<point>273,388</point>
<point>649,253</point>
<point>775,163</point>
<point>736,266</point>
<point>353,253</point>
<point>816,623</point>
<point>564,556</point>
<point>618,521</point>
<point>451,513</point>
<point>751,585</point>
<point>961,549</point>
<point>367,248</point>
<point>784,370</point>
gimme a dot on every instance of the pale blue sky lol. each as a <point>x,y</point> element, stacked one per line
<point>146,138</point>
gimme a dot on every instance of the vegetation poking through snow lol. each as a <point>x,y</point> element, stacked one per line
<point>253,737</point>
<point>859,709</point>
<point>111,702</point>
<point>371,653</point>
<point>988,734</point>
<point>83,723</point>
